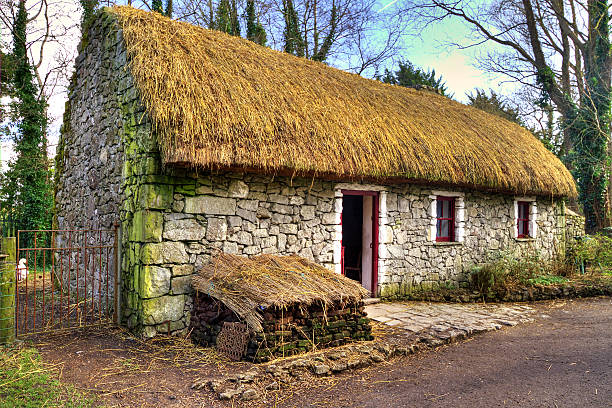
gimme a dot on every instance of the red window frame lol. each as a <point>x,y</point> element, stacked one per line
<point>525,205</point>
<point>451,220</point>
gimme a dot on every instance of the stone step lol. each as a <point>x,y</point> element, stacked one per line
<point>371,301</point>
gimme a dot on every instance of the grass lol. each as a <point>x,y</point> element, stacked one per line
<point>26,381</point>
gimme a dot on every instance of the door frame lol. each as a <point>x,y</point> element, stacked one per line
<point>375,227</point>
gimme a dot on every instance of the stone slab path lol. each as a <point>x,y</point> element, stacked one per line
<point>442,320</point>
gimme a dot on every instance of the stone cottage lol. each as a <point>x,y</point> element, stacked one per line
<point>198,142</point>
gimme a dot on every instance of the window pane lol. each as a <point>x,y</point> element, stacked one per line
<point>446,209</point>
<point>443,231</point>
<point>524,210</point>
<point>521,228</point>
<point>439,208</point>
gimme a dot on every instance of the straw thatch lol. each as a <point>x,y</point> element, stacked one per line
<point>222,102</point>
<point>249,286</point>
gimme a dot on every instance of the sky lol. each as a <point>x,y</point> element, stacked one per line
<point>429,50</point>
<point>432,50</point>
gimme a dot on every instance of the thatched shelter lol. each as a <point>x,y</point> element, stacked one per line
<point>251,286</point>
<point>198,142</point>
<point>304,301</point>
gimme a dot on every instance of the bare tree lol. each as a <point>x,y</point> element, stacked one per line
<point>364,38</point>
<point>559,48</point>
<point>53,32</point>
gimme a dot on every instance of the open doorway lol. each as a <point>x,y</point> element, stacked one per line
<point>360,237</point>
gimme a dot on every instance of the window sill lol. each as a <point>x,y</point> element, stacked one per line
<point>524,239</point>
<point>447,243</point>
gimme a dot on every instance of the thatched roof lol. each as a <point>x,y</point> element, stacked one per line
<point>222,102</point>
<point>248,286</point>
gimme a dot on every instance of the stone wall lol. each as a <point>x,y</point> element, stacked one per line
<point>410,258</point>
<point>182,219</point>
<point>191,216</point>
<point>574,225</point>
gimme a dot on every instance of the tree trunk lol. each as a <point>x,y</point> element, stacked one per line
<point>593,133</point>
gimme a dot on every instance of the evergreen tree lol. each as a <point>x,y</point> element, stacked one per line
<point>227,17</point>
<point>493,104</point>
<point>169,9</point>
<point>410,76</point>
<point>234,22</point>
<point>222,20</point>
<point>294,43</point>
<point>255,31</point>
<point>89,6</point>
<point>156,5</point>
<point>321,53</point>
<point>29,188</point>
<point>590,127</point>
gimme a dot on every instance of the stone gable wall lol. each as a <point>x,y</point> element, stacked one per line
<point>90,151</point>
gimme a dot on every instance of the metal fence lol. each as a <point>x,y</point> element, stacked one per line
<point>65,279</point>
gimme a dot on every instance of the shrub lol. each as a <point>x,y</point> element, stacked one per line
<point>548,280</point>
<point>592,251</point>
<point>483,278</point>
<point>504,269</point>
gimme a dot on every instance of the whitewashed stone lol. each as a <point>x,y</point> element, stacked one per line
<point>230,248</point>
<point>244,238</point>
<point>289,228</point>
<point>307,212</point>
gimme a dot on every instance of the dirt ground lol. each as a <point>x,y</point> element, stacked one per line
<point>122,371</point>
<point>563,358</point>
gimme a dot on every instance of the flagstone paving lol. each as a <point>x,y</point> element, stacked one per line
<point>444,320</point>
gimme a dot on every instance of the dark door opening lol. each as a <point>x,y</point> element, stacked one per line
<point>360,237</point>
<point>352,225</point>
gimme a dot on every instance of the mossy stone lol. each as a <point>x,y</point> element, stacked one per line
<point>187,189</point>
<point>147,226</point>
<point>163,309</point>
<point>148,166</point>
<point>154,281</point>
<point>164,253</point>
<point>389,291</point>
<point>156,196</point>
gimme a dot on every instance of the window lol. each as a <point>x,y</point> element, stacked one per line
<point>522,219</point>
<point>445,226</point>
